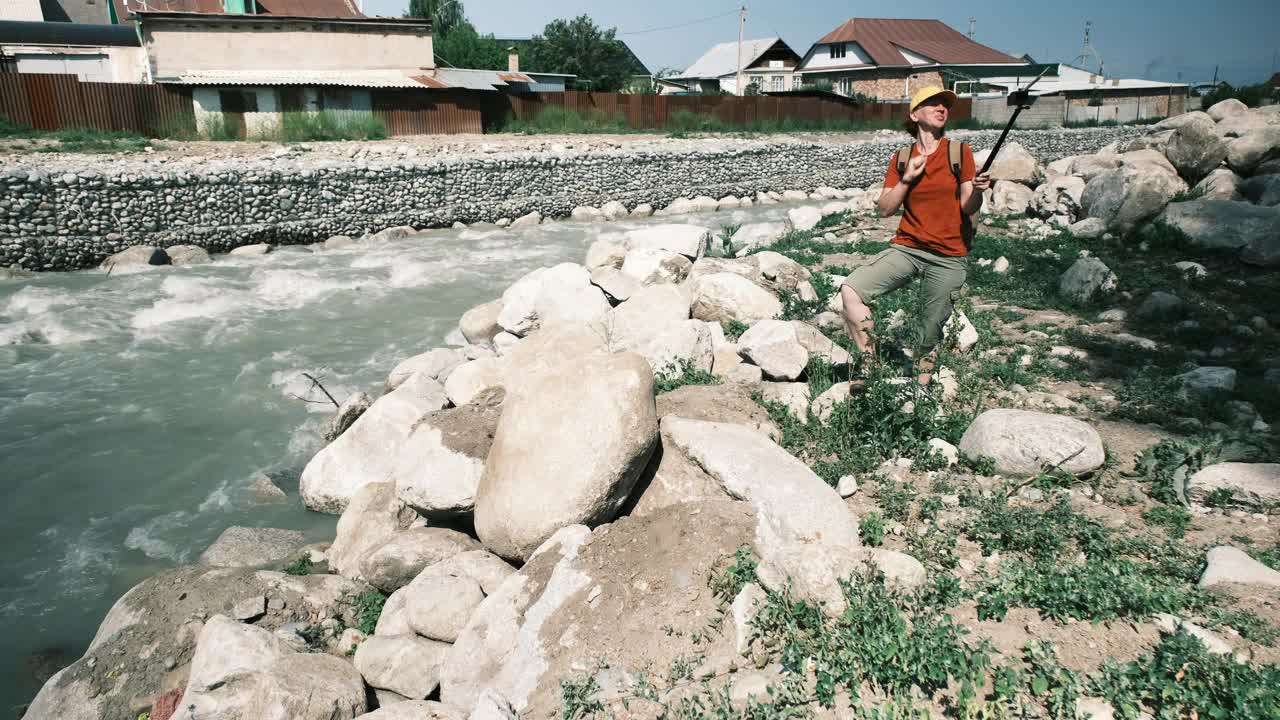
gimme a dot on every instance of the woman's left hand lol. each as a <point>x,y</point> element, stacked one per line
<point>982,182</point>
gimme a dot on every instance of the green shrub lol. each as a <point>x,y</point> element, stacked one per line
<point>1180,679</point>
<point>367,607</point>
<point>560,120</point>
<point>871,527</point>
<point>1251,95</point>
<point>301,566</point>
<point>9,129</point>
<point>325,125</point>
<point>677,376</point>
<point>727,583</point>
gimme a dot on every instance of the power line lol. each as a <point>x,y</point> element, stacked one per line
<point>681,25</point>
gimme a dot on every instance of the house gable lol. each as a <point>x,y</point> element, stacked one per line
<point>887,42</point>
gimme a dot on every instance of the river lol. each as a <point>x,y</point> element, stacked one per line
<point>136,409</point>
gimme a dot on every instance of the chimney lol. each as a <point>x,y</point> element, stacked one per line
<point>513,62</point>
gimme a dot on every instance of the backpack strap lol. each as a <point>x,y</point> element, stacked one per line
<point>955,153</point>
<point>904,155</point>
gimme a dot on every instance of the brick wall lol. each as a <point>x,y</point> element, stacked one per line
<point>890,84</point>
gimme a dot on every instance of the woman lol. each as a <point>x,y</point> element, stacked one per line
<point>939,191</point>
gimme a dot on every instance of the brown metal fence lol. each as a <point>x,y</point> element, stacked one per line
<point>57,102</point>
<point>60,102</point>
<point>658,111</point>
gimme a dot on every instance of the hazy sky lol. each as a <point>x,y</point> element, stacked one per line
<point>1158,40</point>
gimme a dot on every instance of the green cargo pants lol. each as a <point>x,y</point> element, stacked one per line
<point>941,276</point>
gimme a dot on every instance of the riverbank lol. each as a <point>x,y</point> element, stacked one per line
<point>63,212</point>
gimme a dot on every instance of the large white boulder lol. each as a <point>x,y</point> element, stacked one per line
<point>1220,184</point>
<point>241,671</point>
<point>418,710</point>
<point>719,297</point>
<point>397,561</point>
<point>367,451</point>
<point>439,466</point>
<point>470,379</point>
<point>1022,442</point>
<point>407,665</point>
<point>1059,196</point>
<point>480,324</point>
<point>1231,566</point>
<point>1253,486</point>
<point>136,256</point>
<point>805,534</point>
<point>1131,194</point>
<point>1247,152</point>
<point>560,294</point>
<point>439,602</point>
<point>1226,108</point>
<point>1010,198</point>
<point>568,449</point>
<point>650,266</point>
<point>372,517</point>
<point>1195,149</point>
<point>655,323</point>
<point>692,241</point>
<point>756,235</point>
<point>819,345</point>
<point>614,283</point>
<point>774,346</point>
<point>1217,224</point>
<point>605,252</point>
<point>804,218</point>
<point>1086,279</point>
<point>435,364</point>
<point>1014,163</point>
<point>1090,166</point>
<point>249,547</point>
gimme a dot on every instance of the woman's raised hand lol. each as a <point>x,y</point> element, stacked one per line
<point>915,168</point>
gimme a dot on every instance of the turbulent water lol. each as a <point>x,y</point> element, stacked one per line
<point>137,409</point>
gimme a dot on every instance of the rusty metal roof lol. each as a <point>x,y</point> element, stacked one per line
<point>930,38</point>
<point>433,78</point>
<point>295,8</point>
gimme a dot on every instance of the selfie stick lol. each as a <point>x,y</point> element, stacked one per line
<point>1021,100</point>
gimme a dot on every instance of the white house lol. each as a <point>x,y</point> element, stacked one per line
<point>768,63</point>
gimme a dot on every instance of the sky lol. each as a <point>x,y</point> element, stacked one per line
<point>1171,40</point>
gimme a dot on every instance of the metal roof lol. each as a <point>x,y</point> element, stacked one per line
<point>429,78</point>
<point>722,59</point>
<point>297,8</point>
<point>16,32</point>
<point>930,38</point>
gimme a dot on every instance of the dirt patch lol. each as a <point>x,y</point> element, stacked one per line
<point>647,614</point>
<point>468,429</point>
<point>729,403</point>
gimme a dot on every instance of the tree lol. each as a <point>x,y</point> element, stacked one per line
<point>445,15</point>
<point>579,47</point>
<point>465,48</point>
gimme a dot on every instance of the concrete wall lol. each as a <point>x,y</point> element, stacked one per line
<point>1047,112</point>
<point>72,216</point>
<point>105,64</point>
<point>77,11</point>
<point>177,47</point>
<point>21,10</point>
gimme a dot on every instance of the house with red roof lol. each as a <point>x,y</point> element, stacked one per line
<point>888,59</point>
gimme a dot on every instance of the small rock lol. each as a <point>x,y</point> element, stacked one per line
<point>847,486</point>
<point>250,609</point>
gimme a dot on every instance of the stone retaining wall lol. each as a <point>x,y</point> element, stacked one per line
<point>69,220</point>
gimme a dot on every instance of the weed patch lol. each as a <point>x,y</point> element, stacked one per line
<point>686,373</point>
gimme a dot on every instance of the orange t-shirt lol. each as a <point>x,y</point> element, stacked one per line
<point>931,212</point>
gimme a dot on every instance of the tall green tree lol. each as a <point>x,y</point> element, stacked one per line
<point>580,47</point>
<point>445,15</point>
<point>463,47</point>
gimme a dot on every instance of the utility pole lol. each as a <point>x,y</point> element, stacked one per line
<point>742,21</point>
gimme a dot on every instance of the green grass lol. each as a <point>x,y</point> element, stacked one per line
<point>367,607</point>
<point>871,527</point>
<point>87,140</point>
<point>686,373</point>
<point>726,583</point>
<point>301,566</point>
<point>325,125</point>
<point>682,123</point>
<point>1179,679</point>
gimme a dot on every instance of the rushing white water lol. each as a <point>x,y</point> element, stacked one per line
<point>136,408</point>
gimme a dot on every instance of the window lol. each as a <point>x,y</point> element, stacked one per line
<point>779,83</point>
<point>844,86</point>
<point>837,51</point>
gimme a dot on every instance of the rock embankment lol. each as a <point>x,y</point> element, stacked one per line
<point>72,213</point>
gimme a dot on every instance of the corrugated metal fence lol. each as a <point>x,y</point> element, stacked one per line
<point>56,102</point>
<point>59,102</point>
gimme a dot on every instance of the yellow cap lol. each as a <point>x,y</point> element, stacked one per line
<point>925,93</point>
